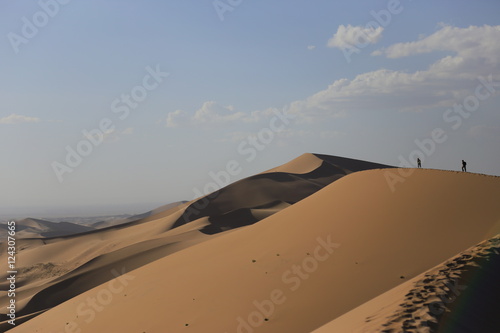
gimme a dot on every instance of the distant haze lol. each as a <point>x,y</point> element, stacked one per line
<point>81,211</point>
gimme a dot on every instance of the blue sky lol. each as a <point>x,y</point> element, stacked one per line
<point>360,79</point>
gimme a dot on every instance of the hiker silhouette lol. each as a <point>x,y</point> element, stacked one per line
<point>464,166</point>
<point>419,163</point>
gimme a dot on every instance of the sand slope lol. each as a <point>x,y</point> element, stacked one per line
<point>300,268</point>
<point>133,218</point>
<point>233,205</point>
<point>53,270</point>
<point>459,295</point>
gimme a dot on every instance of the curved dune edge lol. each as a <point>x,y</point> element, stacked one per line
<point>269,188</point>
<point>299,268</point>
<point>308,162</point>
<point>305,163</point>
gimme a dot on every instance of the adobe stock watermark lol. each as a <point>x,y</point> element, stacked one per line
<point>454,118</point>
<point>223,6</point>
<point>121,107</point>
<point>381,19</point>
<point>32,26</point>
<point>89,308</point>
<point>292,280</point>
<point>249,149</point>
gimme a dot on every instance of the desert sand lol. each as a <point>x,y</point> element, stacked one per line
<point>321,244</point>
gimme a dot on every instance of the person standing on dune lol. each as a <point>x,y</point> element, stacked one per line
<point>419,163</point>
<point>464,166</point>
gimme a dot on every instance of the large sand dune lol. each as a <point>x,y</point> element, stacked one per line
<point>56,269</point>
<point>320,249</point>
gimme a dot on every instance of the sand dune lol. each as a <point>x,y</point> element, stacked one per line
<point>288,183</point>
<point>80,262</point>
<point>36,228</point>
<point>133,218</point>
<point>308,162</point>
<point>301,267</point>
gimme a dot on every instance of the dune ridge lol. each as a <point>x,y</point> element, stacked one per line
<point>288,183</point>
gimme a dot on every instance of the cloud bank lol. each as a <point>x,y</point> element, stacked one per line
<point>17,119</point>
<point>473,53</point>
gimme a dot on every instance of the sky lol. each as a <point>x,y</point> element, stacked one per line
<point>119,106</point>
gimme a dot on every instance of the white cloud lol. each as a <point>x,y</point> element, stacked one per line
<point>349,36</point>
<point>176,118</point>
<point>213,113</point>
<point>468,43</point>
<point>311,47</point>
<point>16,119</point>
<point>443,83</point>
<point>380,90</point>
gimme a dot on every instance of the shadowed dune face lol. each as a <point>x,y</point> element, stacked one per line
<point>300,268</point>
<point>270,188</point>
<point>474,308</point>
<point>350,164</point>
